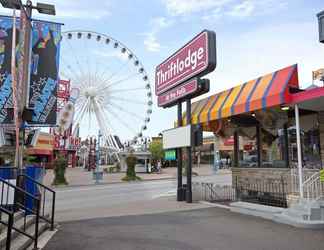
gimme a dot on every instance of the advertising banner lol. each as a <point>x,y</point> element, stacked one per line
<point>6,101</point>
<point>43,78</point>
<point>195,59</point>
<point>44,70</point>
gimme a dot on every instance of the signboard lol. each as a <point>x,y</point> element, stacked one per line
<point>170,155</point>
<point>46,38</point>
<point>6,101</point>
<point>188,89</point>
<point>178,137</point>
<point>195,59</point>
<point>322,175</point>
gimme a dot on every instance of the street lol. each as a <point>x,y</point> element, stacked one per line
<point>209,228</point>
<point>93,201</point>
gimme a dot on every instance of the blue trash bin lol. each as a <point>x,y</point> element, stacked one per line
<point>37,174</point>
<point>9,174</point>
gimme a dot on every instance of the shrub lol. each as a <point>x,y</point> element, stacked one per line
<point>60,165</point>
<point>130,172</point>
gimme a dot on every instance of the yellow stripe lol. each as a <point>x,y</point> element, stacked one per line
<point>195,114</point>
<point>218,104</point>
<point>226,111</point>
<point>204,114</point>
<point>193,108</point>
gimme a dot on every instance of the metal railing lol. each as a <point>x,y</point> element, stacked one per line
<point>13,199</point>
<point>266,192</point>
<point>47,205</point>
<point>313,187</point>
<point>8,223</point>
<point>212,192</point>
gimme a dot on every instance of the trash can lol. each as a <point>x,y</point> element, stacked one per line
<point>37,174</point>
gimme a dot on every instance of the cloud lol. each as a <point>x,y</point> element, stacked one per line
<point>244,9</point>
<point>212,9</point>
<point>186,7</point>
<point>151,41</point>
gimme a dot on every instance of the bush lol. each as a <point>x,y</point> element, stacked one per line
<point>60,164</point>
<point>130,173</point>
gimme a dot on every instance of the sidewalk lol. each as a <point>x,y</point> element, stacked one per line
<point>80,177</point>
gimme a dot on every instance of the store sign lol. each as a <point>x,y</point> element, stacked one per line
<point>195,59</point>
<point>170,155</point>
<point>177,137</point>
<point>322,175</point>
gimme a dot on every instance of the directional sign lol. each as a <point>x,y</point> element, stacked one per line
<point>196,58</point>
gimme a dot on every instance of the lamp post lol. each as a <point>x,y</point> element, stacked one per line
<point>320,17</point>
<point>21,109</point>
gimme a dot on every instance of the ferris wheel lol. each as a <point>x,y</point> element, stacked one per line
<point>115,93</point>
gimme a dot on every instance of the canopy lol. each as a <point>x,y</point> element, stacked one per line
<point>261,93</point>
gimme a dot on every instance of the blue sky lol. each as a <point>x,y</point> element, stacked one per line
<point>254,37</point>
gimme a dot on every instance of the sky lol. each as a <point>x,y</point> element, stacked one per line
<point>254,37</point>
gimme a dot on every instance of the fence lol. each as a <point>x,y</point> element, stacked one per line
<point>266,192</point>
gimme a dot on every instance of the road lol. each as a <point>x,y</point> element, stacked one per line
<point>120,199</point>
<point>200,229</point>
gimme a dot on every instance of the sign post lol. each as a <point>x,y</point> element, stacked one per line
<point>177,80</point>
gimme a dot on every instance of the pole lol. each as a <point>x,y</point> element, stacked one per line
<point>189,163</point>
<point>299,153</point>
<point>179,157</point>
<point>22,91</point>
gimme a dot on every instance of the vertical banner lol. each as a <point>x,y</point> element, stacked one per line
<point>6,101</point>
<point>46,38</point>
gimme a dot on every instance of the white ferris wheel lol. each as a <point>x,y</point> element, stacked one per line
<point>115,91</point>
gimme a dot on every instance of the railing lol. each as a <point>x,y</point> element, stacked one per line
<point>266,192</point>
<point>14,199</point>
<point>8,223</point>
<point>41,190</point>
<point>212,192</point>
<point>314,188</point>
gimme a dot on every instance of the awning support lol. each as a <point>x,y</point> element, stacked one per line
<point>299,153</point>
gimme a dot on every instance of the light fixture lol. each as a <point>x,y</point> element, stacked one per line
<point>253,114</point>
<point>44,8</point>
<point>284,108</point>
<point>10,4</point>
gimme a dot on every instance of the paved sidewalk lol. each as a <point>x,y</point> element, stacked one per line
<point>80,177</point>
<point>200,229</point>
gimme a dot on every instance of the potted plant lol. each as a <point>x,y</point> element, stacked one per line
<point>59,165</point>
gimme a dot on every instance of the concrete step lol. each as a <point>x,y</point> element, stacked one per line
<point>30,220</point>
<point>22,242</point>
<point>4,218</point>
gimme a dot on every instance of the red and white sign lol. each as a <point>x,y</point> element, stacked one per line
<point>178,93</point>
<point>196,58</point>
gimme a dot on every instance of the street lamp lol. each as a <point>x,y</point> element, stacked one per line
<point>42,8</point>
<point>320,17</point>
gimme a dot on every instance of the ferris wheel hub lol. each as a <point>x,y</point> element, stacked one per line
<point>90,92</point>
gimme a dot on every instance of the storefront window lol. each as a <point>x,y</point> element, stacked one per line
<point>248,148</point>
<point>310,142</point>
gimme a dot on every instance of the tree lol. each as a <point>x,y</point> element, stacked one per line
<point>156,149</point>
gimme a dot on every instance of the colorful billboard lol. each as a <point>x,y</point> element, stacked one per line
<point>6,102</point>
<point>45,52</point>
<point>195,59</point>
<point>44,70</point>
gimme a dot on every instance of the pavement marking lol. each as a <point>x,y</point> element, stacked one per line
<point>171,192</point>
<point>214,204</point>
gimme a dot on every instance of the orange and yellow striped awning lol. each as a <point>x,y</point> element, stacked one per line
<point>264,92</point>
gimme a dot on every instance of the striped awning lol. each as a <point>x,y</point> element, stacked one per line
<point>264,92</point>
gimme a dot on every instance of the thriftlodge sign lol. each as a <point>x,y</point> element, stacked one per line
<point>195,59</point>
